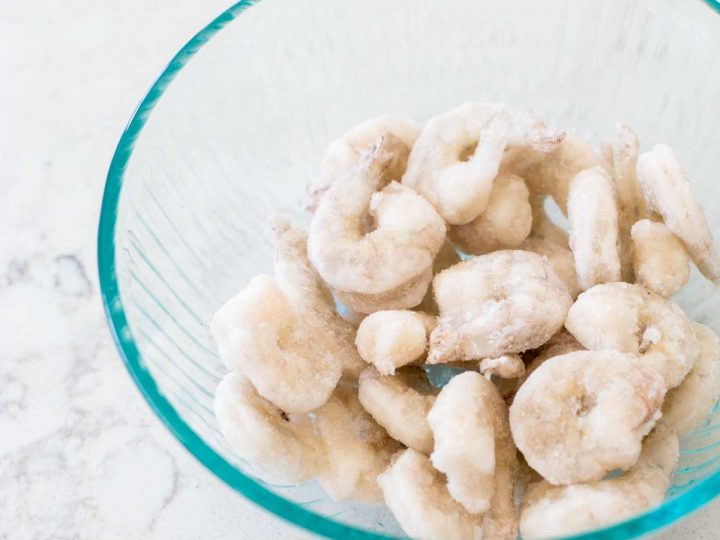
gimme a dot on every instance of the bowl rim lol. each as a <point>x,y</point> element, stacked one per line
<point>654,519</point>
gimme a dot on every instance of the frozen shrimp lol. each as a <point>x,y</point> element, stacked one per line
<point>505,222</point>
<point>400,404</point>
<point>687,405</point>
<point>291,360</point>
<point>303,287</point>
<point>553,511</point>
<point>357,448</point>
<point>284,447</point>
<point>660,261</point>
<point>391,339</point>
<point>418,498</point>
<point>666,190</point>
<point>473,446</point>
<point>494,304</point>
<point>344,153</point>
<point>583,414</point>
<point>458,154</point>
<point>397,255</point>
<point>406,296</point>
<point>629,318</point>
<point>593,220</point>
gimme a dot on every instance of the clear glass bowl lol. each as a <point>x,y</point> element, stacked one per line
<point>236,125</point>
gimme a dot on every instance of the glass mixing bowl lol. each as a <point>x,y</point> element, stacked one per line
<point>236,125</point>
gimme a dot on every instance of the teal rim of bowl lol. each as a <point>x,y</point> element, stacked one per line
<point>652,520</point>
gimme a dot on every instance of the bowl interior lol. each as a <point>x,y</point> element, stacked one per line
<point>239,124</point>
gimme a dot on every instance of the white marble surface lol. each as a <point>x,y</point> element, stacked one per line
<point>81,454</point>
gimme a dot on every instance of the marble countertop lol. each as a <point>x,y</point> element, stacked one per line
<point>81,454</point>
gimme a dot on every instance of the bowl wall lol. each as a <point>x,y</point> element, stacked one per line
<point>242,127</point>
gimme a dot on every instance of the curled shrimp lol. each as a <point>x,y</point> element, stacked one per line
<point>629,318</point>
<point>285,448</point>
<point>400,404</point>
<point>593,220</point>
<point>344,153</point>
<point>505,222</point>
<point>406,296</point>
<point>473,446</point>
<point>389,267</point>
<point>357,448</point>
<point>659,259</point>
<point>490,305</point>
<point>583,414</point>
<point>687,405</point>
<point>553,511</point>
<point>458,154</point>
<point>291,361</point>
<point>303,287</point>
<point>392,339</point>
<point>418,498</point>
<point>666,190</point>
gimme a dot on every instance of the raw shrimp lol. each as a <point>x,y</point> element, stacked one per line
<point>542,226</point>
<point>503,302</point>
<point>560,259</point>
<point>357,448</point>
<point>660,261</point>
<point>687,405</point>
<point>391,339</point>
<point>408,295</point>
<point>551,511</point>
<point>552,175</point>
<point>593,220</point>
<point>624,152</point>
<point>507,366</point>
<point>505,222</point>
<point>284,447</point>
<point>473,446</point>
<point>418,498</point>
<point>344,153</point>
<point>400,404</point>
<point>302,285</point>
<point>458,154</point>
<point>666,190</point>
<point>629,318</point>
<point>291,360</point>
<point>396,256</point>
<point>583,414</point>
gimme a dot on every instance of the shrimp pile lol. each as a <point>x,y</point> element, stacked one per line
<point>438,343</point>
